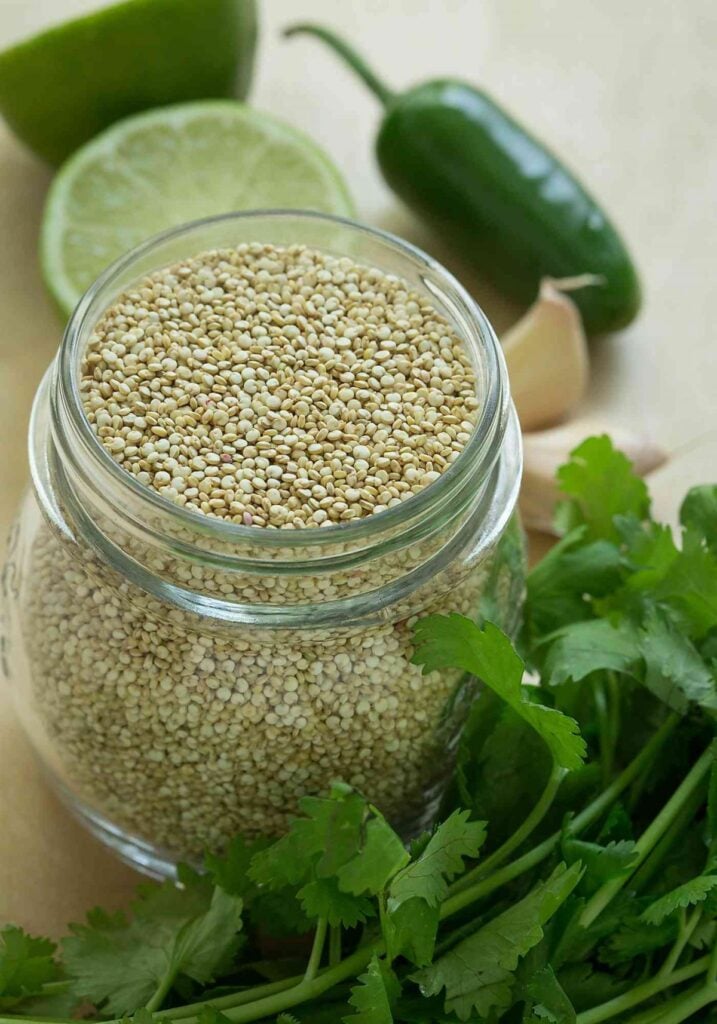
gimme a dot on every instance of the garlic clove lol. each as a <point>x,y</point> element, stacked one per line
<point>545,451</point>
<point>547,357</point>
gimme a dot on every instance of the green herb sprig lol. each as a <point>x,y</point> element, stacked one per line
<point>572,877</point>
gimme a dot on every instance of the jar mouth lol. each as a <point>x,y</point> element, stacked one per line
<point>77,441</point>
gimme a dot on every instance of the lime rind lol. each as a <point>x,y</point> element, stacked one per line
<point>63,85</point>
<point>167,166</point>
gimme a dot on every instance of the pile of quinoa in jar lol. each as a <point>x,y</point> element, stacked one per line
<point>280,389</point>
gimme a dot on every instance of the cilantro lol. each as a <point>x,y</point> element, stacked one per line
<point>635,938</point>
<point>26,966</point>
<point>374,995</point>
<point>120,964</point>
<point>380,855</point>
<point>604,761</point>
<point>323,898</point>
<point>694,891</point>
<point>230,872</point>
<point>689,587</point>
<point>549,999</point>
<point>585,647</point>
<point>560,584</point>
<point>586,987</point>
<point>442,859</point>
<point>453,641</point>
<point>674,671</point>
<point>339,852</point>
<point>599,484</point>
<point>410,930</point>
<point>601,863</point>
<point>323,839</point>
<point>478,973</point>
<point>698,514</point>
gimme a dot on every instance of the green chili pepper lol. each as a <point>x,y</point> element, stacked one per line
<point>484,182</point>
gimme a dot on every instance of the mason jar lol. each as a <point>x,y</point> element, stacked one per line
<point>184,678</point>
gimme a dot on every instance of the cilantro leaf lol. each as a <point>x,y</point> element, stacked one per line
<point>380,856</point>
<point>316,844</point>
<point>585,647</point>
<point>586,987</point>
<point>278,912</point>
<point>453,641</point>
<point>675,672</point>
<point>634,937</point>
<point>410,929</point>
<point>374,995</point>
<point>601,863</point>
<point>698,514</point>
<point>341,849</point>
<point>694,891</point>
<point>558,586</point>
<point>324,898</point>
<point>120,964</point>
<point>599,483</point>
<point>502,767</point>
<point>231,870</point>
<point>440,862</point>
<point>689,587</point>
<point>26,965</point>
<point>477,974</point>
<point>207,1015</point>
<point>549,998</point>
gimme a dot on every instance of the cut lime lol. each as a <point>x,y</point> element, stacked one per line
<point>61,87</point>
<point>162,168</point>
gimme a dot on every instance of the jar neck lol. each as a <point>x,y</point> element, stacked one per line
<point>189,558</point>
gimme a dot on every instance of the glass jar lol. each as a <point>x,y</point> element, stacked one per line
<point>184,678</point>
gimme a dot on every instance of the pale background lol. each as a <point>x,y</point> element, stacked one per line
<point>624,91</point>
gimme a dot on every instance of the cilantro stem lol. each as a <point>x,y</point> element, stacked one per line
<point>687,927</point>
<point>317,949</point>
<point>641,993</point>
<point>305,990</point>
<point>335,945</point>
<point>652,864</point>
<point>537,814</point>
<point>682,1008</point>
<point>162,990</point>
<point>650,837</point>
<point>712,970</point>
<point>460,899</point>
<point>248,995</point>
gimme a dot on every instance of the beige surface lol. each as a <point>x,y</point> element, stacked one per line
<point>623,91</point>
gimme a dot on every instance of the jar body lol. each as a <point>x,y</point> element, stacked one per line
<point>169,731</point>
<point>185,678</point>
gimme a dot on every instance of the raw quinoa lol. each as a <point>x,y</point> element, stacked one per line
<point>277,389</point>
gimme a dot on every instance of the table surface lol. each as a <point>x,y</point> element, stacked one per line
<point>623,91</point>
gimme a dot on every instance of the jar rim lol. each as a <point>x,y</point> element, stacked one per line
<point>72,427</point>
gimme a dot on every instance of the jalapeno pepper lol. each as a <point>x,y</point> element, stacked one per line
<point>489,186</point>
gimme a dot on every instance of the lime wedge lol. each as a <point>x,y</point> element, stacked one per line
<point>164,167</point>
<point>61,87</point>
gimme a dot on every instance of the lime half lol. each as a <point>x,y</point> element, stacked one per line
<point>165,167</point>
<point>66,84</point>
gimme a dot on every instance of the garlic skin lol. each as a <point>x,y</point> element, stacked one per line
<point>546,450</point>
<point>546,353</point>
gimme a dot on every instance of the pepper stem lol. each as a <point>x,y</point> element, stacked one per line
<point>352,58</point>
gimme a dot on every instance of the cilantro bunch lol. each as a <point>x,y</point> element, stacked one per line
<point>572,877</point>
